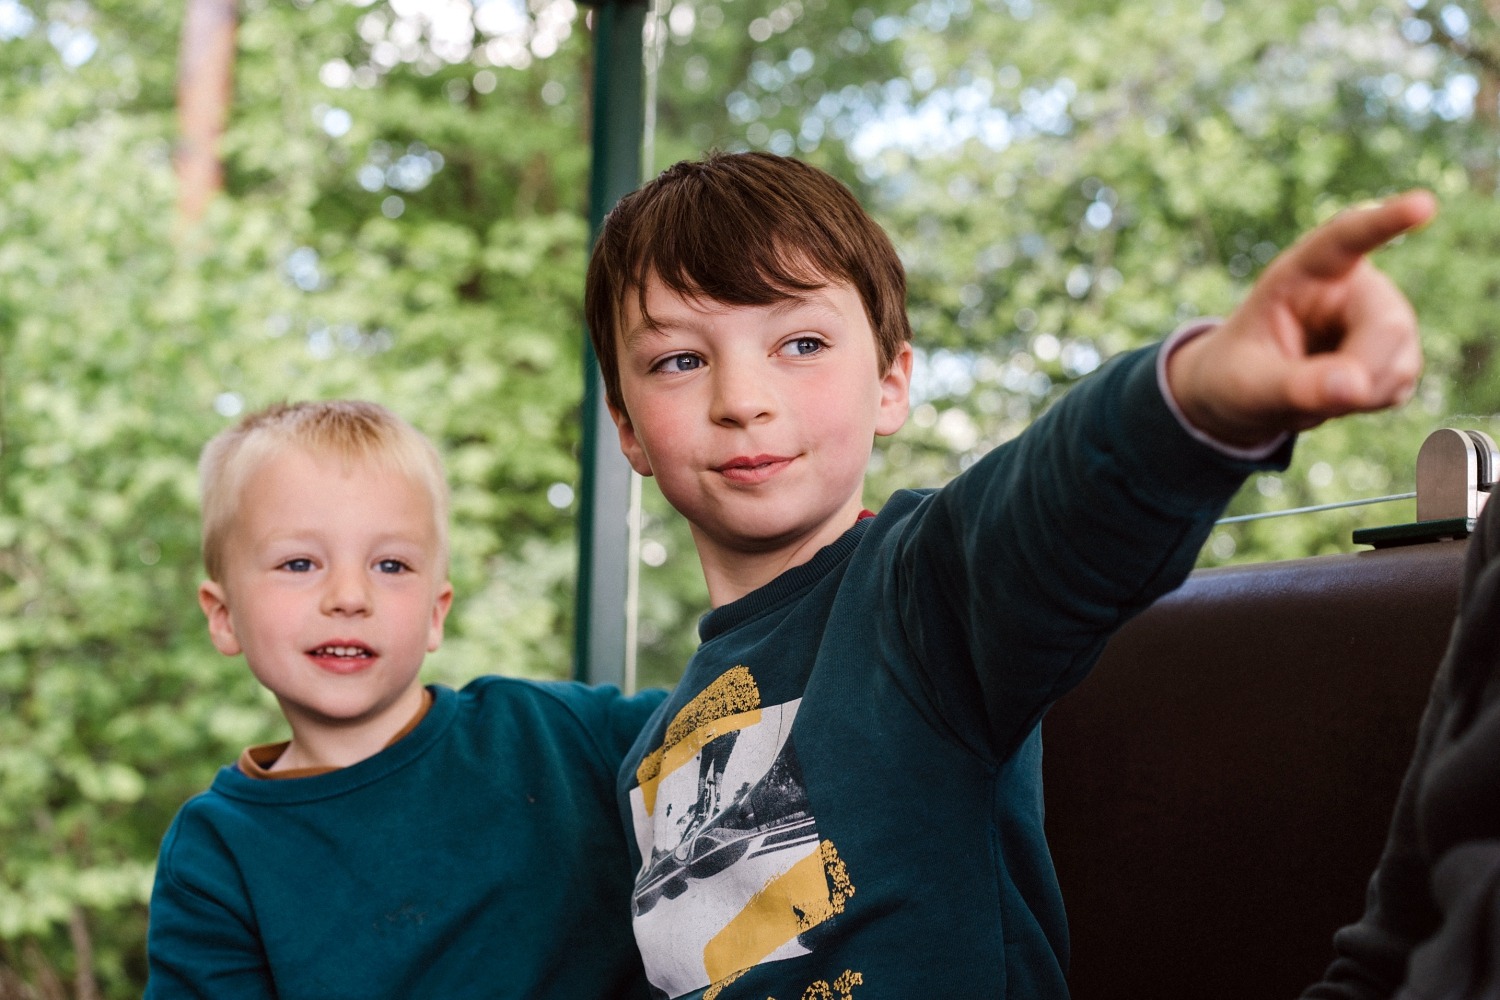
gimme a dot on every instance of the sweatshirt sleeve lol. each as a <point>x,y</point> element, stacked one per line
<point>1019,571</point>
<point>201,942</point>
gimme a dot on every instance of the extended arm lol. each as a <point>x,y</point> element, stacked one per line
<point>1021,569</point>
<point>1050,543</point>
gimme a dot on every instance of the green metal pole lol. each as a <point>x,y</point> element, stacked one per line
<point>604,493</point>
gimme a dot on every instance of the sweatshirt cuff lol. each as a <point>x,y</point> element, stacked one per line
<point>1180,336</point>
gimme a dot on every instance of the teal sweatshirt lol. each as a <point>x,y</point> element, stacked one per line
<point>842,798</point>
<point>479,856</point>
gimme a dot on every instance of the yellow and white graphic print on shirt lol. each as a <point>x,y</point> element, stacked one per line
<point>733,871</point>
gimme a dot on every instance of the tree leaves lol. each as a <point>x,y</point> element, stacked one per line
<point>404,221</point>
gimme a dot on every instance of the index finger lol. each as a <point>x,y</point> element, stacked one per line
<point>1336,246</point>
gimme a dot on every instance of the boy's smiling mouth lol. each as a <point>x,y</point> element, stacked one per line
<point>752,469</point>
<point>342,657</point>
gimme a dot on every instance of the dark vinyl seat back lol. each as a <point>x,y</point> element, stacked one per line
<point>1218,790</point>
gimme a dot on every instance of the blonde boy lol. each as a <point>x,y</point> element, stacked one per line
<point>407,841</point>
<point>842,797</point>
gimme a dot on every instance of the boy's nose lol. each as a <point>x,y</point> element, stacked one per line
<point>740,397</point>
<point>347,593</point>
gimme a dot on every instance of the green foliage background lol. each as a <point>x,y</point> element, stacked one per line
<point>404,221</point>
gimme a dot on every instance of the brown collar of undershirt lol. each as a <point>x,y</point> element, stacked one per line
<point>256,761</point>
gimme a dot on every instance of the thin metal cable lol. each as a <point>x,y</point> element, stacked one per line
<point>1312,510</point>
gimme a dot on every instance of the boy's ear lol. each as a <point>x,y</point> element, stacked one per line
<point>895,393</point>
<point>215,605</point>
<point>440,608</point>
<point>630,444</point>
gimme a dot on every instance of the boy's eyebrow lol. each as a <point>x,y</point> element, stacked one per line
<point>646,328</point>
<point>308,535</point>
<point>814,299</point>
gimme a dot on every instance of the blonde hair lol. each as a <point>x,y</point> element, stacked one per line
<point>350,430</point>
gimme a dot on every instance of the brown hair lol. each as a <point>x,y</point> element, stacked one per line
<point>349,430</point>
<point>741,229</point>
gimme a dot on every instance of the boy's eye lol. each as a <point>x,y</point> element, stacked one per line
<point>678,363</point>
<point>391,566</point>
<point>801,347</point>
<point>297,565</point>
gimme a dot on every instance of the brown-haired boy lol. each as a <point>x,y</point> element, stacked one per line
<point>408,841</point>
<point>842,798</point>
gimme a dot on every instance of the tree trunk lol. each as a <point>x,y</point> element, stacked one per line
<point>85,984</point>
<point>1483,174</point>
<point>205,81</point>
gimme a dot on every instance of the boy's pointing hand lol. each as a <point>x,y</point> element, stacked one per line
<point>1323,333</point>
